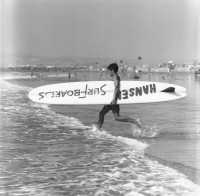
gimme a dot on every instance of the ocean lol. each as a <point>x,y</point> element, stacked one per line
<point>57,150</point>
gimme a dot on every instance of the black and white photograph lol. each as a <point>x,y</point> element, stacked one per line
<point>100,97</point>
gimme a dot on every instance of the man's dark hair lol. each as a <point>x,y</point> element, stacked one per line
<point>113,66</point>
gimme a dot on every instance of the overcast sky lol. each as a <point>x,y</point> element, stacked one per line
<point>153,29</point>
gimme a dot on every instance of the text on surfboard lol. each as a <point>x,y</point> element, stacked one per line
<point>124,94</point>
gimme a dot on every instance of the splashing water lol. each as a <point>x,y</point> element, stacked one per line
<point>145,132</point>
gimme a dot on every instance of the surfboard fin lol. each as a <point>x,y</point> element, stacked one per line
<point>169,90</point>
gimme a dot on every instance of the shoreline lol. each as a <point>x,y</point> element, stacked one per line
<point>52,77</point>
<point>39,74</point>
<point>190,172</point>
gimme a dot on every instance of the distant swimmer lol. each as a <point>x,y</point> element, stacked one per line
<point>114,107</point>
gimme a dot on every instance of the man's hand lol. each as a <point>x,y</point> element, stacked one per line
<point>113,102</point>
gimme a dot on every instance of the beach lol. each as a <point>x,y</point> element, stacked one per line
<point>113,161</point>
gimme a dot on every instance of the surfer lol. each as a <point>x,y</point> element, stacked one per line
<point>114,107</point>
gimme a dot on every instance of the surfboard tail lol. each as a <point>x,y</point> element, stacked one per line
<point>173,91</point>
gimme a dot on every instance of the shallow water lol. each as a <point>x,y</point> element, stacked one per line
<point>58,151</point>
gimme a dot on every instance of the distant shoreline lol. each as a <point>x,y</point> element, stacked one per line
<point>57,73</point>
<point>25,78</point>
<point>45,78</point>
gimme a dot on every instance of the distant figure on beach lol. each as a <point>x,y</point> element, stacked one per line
<point>124,70</point>
<point>170,67</point>
<point>69,73</point>
<point>135,73</point>
<point>85,74</point>
<point>101,73</point>
<point>157,70</point>
<point>113,106</point>
<point>31,73</point>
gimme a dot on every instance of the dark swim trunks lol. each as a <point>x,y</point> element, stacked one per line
<point>113,108</point>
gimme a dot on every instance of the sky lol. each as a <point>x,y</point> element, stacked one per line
<point>152,29</point>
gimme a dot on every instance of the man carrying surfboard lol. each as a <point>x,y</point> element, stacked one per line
<point>114,107</point>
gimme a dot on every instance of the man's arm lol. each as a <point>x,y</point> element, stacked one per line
<point>116,90</point>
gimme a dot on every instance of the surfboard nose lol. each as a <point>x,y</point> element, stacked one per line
<point>32,95</point>
<point>36,95</point>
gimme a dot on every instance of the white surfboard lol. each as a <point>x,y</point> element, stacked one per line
<point>101,92</point>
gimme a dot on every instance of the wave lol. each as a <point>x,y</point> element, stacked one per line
<point>6,86</point>
<point>72,158</point>
<point>103,134</point>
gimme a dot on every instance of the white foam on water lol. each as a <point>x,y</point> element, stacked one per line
<point>6,86</point>
<point>120,168</point>
<point>145,132</point>
<point>144,177</point>
<point>41,105</point>
<point>15,76</point>
<point>95,132</point>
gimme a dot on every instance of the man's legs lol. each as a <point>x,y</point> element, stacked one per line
<point>115,109</point>
<point>103,112</point>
